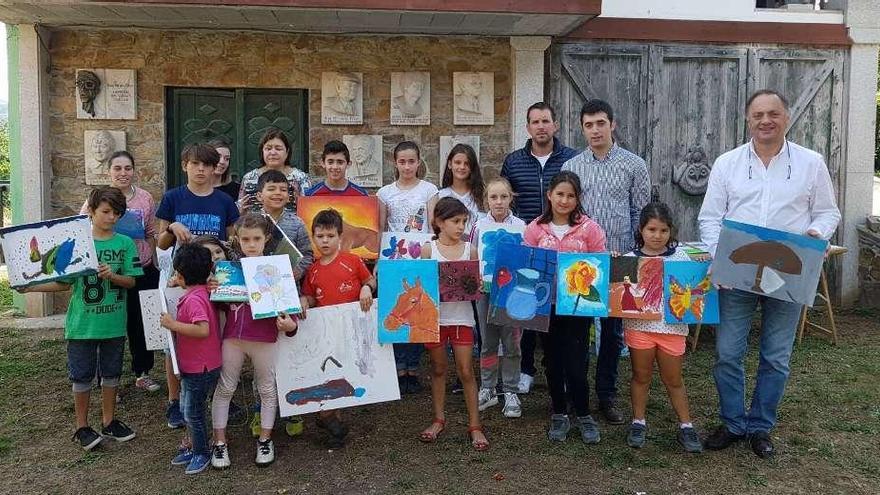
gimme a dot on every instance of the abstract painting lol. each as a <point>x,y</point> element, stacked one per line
<point>490,238</point>
<point>155,335</point>
<point>409,301</point>
<point>271,286</point>
<point>231,285</point>
<point>284,245</point>
<point>360,220</point>
<point>460,281</point>
<point>42,252</point>
<point>131,224</point>
<point>170,296</point>
<point>334,361</point>
<point>689,294</point>
<point>636,288</point>
<point>769,262</point>
<point>582,284</point>
<point>403,245</point>
<point>523,287</point>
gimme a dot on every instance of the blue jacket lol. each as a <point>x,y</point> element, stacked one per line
<point>529,180</point>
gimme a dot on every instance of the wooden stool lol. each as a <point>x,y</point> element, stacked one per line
<point>825,298</point>
<point>695,336</point>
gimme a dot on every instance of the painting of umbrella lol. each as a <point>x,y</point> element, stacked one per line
<point>688,293</point>
<point>636,288</point>
<point>769,262</point>
<point>523,287</point>
<point>582,284</point>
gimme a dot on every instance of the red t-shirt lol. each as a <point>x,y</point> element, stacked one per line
<point>337,282</point>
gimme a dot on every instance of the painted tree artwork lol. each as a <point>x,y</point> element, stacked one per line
<point>42,252</point>
<point>582,284</point>
<point>768,262</point>
<point>409,301</point>
<point>688,293</point>
<point>402,245</point>
<point>487,246</point>
<point>523,287</point>
<point>636,288</point>
<point>360,221</point>
<point>271,286</point>
<point>459,281</point>
<point>231,286</point>
<point>334,361</point>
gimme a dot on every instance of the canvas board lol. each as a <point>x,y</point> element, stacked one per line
<point>271,286</point>
<point>523,287</point>
<point>688,293</point>
<point>460,281</point>
<point>360,221</point>
<point>230,278</point>
<point>487,246</point>
<point>582,284</point>
<point>402,245</point>
<point>409,301</point>
<point>636,288</point>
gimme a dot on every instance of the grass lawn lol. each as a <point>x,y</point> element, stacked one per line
<point>827,438</point>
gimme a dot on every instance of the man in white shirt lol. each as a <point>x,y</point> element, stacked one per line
<point>773,183</point>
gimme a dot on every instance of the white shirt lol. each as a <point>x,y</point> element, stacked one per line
<point>542,159</point>
<point>407,208</point>
<point>559,230</point>
<point>793,193</point>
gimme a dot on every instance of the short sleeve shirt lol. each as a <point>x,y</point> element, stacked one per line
<point>97,307</point>
<point>198,354</point>
<point>407,208</point>
<point>202,215</point>
<point>337,282</point>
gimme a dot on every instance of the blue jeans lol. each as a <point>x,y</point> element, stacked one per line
<point>779,321</point>
<point>408,356</point>
<point>194,390</point>
<point>610,344</point>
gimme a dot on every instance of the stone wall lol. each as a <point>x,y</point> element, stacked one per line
<point>257,60</point>
<point>869,262</point>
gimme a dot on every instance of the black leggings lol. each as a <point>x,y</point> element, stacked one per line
<point>141,358</point>
<point>567,358</point>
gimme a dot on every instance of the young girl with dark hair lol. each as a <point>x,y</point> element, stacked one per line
<point>463,181</point>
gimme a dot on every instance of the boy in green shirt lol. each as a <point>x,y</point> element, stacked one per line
<point>95,324</point>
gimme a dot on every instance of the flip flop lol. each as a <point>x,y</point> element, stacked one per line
<point>427,436</point>
<point>478,445</point>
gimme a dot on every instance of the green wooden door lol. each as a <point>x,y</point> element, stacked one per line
<point>242,116</point>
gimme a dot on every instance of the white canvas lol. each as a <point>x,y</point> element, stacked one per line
<point>334,361</point>
<point>164,258</point>
<point>151,310</point>
<point>42,252</point>
<point>271,286</point>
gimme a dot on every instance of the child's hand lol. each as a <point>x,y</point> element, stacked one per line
<point>304,304</point>
<point>167,321</point>
<point>615,254</point>
<point>212,284</point>
<point>366,298</point>
<point>172,280</point>
<point>104,271</point>
<point>181,232</point>
<point>286,324</point>
<point>701,257</point>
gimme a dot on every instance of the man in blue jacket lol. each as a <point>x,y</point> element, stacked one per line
<point>529,171</point>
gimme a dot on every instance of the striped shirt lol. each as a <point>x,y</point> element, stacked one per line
<point>614,191</point>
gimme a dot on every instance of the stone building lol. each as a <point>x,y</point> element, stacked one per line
<point>204,68</point>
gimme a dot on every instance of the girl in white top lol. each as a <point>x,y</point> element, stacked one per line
<point>403,204</point>
<point>456,325</point>
<point>463,181</point>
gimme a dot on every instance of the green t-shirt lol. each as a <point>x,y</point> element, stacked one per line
<point>97,307</point>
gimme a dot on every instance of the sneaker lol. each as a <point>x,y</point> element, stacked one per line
<point>265,453</point>
<point>293,426</point>
<point>184,457</point>
<point>559,426</point>
<point>220,456</point>
<point>512,407</point>
<point>117,430</point>
<point>589,429</point>
<point>199,463</point>
<point>256,426</point>
<point>637,435</point>
<point>487,399</point>
<point>689,439</point>
<point>174,416</point>
<point>525,383</point>
<point>144,382</point>
<point>87,437</point>
<point>457,387</point>
<point>610,413</point>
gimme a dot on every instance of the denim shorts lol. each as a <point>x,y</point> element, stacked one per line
<point>88,358</point>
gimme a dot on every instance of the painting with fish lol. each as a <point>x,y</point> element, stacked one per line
<point>47,251</point>
<point>409,301</point>
<point>523,287</point>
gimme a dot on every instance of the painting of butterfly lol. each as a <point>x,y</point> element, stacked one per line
<point>47,251</point>
<point>688,293</point>
<point>402,245</point>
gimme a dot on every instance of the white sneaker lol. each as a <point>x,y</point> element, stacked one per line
<point>265,453</point>
<point>144,382</point>
<point>525,383</point>
<point>512,407</point>
<point>487,399</point>
<point>220,456</point>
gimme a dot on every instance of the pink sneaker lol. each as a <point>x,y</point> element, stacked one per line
<point>146,383</point>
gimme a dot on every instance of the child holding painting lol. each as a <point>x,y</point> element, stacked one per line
<point>336,278</point>
<point>95,323</point>
<point>456,325</point>
<point>651,341</point>
<point>564,226</point>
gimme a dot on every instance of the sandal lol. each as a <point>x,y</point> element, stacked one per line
<point>478,445</point>
<point>428,436</point>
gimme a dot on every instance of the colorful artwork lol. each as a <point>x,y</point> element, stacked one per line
<point>170,296</point>
<point>271,286</point>
<point>409,297</point>
<point>360,217</point>
<point>523,287</point>
<point>232,287</point>
<point>285,246</point>
<point>636,288</point>
<point>689,294</point>
<point>155,335</point>
<point>131,224</point>
<point>403,245</point>
<point>42,252</point>
<point>769,262</point>
<point>490,238</point>
<point>582,284</point>
<point>460,281</point>
<point>334,361</point>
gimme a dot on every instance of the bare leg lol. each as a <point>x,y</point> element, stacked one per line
<point>439,366</point>
<point>670,373</point>
<point>642,370</point>
<point>465,368</point>
<point>81,407</point>
<point>108,404</point>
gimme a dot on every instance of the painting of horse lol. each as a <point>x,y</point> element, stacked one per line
<point>409,295</point>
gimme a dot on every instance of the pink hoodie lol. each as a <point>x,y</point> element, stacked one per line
<point>584,237</point>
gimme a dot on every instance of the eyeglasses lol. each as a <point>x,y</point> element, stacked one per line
<point>752,158</point>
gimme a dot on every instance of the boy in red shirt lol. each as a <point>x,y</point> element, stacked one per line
<point>336,278</point>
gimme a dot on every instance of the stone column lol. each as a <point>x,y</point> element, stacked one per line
<point>527,74</point>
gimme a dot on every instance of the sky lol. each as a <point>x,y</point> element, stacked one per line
<point>4,69</point>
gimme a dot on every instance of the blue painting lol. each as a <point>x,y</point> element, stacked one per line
<point>768,262</point>
<point>231,285</point>
<point>582,284</point>
<point>523,287</point>
<point>490,238</point>
<point>409,301</point>
<point>688,293</point>
<point>131,224</point>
